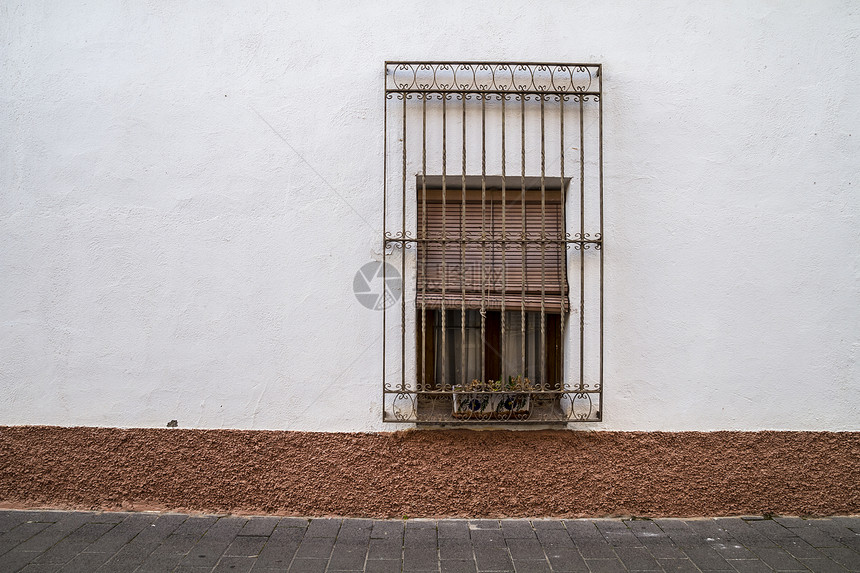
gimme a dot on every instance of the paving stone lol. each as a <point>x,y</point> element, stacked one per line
<point>420,538</point>
<point>278,552</point>
<point>547,524</point>
<point>385,549</point>
<point>565,559</point>
<point>743,533</point>
<point>315,548</point>
<point>61,552</point>
<point>531,566</point>
<point>823,566</point>
<point>707,559</point>
<point>420,524</point>
<point>554,538</point>
<point>85,562</point>
<point>111,516</point>
<point>260,526</point>
<point>195,525</point>
<point>595,549</point>
<point>22,533</point>
<point>677,566</point>
<point>348,558</point>
<point>490,558</point>
<point>771,528</point>
<point>383,566</point>
<point>732,550</point>
<point>454,528</point>
<point>293,522</point>
<point>246,546</point>
<point>517,528</point>
<point>160,529</point>
<point>706,528</point>
<point>778,559</point>
<point>15,559</point>
<point>616,532</point>
<point>847,558</point>
<point>11,519</point>
<point>323,528</point>
<point>525,549</point>
<point>663,548</point>
<point>423,559</point>
<point>800,548</point>
<point>129,557</point>
<point>354,531</point>
<point>851,522</point>
<point>582,530</point>
<point>55,532</point>
<point>789,522</point>
<point>749,566</point>
<point>832,528</point>
<point>308,566</point>
<point>87,542</point>
<point>214,542</point>
<point>667,524</point>
<point>815,536</point>
<point>89,532</point>
<point>643,527</point>
<point>605,566</point>
<point>484,524</point>
<point>387,530</point>
<point>488,537</point>
<point>234,564</point>
<point>156,563</point>
<point>458,567</point>
<point>455,549</point>
<point>637,559</point>
<point>42,568</point>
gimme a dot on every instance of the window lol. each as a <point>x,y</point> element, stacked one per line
<point>482,242</point>
<point>483,252</point>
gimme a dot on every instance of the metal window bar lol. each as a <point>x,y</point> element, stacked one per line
<point>424,387</point>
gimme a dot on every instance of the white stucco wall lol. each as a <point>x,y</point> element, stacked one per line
<point>186,192</point>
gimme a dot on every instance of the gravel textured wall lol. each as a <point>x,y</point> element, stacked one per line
<point>433,473</point>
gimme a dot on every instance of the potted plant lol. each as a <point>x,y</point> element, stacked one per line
<point>493,399</point>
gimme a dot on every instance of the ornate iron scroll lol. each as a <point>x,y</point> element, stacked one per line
<point>493,129</point>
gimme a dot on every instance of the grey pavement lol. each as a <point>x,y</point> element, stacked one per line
<point>64,541</point>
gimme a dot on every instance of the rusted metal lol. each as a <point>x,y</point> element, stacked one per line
<point>491,384</point>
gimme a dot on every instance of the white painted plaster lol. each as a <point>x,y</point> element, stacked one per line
<point>187,190</point>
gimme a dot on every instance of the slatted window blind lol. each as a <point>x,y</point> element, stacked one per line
<point>477,256</point>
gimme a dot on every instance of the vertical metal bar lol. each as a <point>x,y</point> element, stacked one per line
<point>523,228</point>
<point>445,374</point>
<point>504,243</point>
<point>463,254</point>
<point>483,231</point>
<point>403,264</point>
<point>384,217</point>
<point>602,243</point>
<point>425,244</point>
<point>543,370</point>
<point>562,246</point>
<point>581,246</point>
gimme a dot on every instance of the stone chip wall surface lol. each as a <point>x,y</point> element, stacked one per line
<point>443,473</point>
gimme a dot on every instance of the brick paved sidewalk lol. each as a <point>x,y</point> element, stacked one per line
<point>43,541</point>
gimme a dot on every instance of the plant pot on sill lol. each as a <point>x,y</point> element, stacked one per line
<point>491,405</point>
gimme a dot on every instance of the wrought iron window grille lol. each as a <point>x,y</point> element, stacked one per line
<point>505,157</point>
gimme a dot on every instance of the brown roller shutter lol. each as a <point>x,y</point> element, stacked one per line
<point>492,267</point>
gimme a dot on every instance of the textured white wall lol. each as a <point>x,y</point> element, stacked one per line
<point>187,192</point>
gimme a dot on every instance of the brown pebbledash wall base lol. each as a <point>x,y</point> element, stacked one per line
<point>432,473</point>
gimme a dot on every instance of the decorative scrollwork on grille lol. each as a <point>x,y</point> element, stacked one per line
<point>405,77</point>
